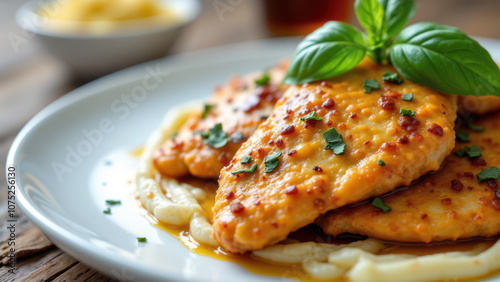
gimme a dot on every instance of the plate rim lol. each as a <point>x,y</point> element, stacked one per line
<point>70,243</point>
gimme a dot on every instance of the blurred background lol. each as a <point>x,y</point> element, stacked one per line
<point>31,77</point>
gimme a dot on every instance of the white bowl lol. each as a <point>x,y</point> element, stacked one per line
<point>92,55</point>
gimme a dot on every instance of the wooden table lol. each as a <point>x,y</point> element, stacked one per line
<point>30,79</point>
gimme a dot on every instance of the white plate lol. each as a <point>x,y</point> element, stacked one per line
<point>73,156</point>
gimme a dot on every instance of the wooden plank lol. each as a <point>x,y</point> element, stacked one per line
<point>51,268</point>
<point>81,272</point>
<point>25,243</point>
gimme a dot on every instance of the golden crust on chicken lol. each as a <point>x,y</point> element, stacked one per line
<point>240,106</point>
<point>448,205</point>
<point>295,168</point>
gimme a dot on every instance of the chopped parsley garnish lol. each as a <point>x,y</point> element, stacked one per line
<point>370,85</point>
<point>462,136</point>
<point>142,239</point>
<point>334,141</point>
<point>379,204</point>
<point>408,96</point>
<point>246,160</point>
<point>237,137</point>
<point>473,151</point>
<point>263,80</point>
<point>252,169</point>
<point>311,115</point>
<point>271,162</point>
<point>215,137</point>
<point>381,163</point>
<point>491,173</point>
<point>113,202</point>
<point>392,77</point>
<point>407,112</point>
<point>107,211</point>
<point>263,117</point>
<point>460,152</point>
<point>477,128</point>
<point>206,110</point>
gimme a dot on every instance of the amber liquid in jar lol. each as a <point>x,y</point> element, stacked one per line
<point>301,17</point>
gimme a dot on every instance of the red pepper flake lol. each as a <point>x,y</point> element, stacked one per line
<point>310,123</point>
<point>388,146</point>
<point>328,103</point>
<point>256,201</point>
<point>261,152</point>
<point>366,143</point>
<point>289,111</point>
<point>435,129</point>
<point>456,185</point>
<point>468,174</point>
<point>292,152</point>
<point>271,143</point>
<point>230,195</point>
<point>470,188</point>
<point>236,207</point>
<point>279,143</point>
<point>403,140</point>
<point>329,123</point>
<point>386,103</point>
<point>286,117</point>
<point>291,190</point>
<point>423,216</point>
<point>446,201</point>
<point>317,168</point>
<point>478,162</point>
<point>353,116</point>
<point>289,129</point>
<point>492,184</point>
<point>408,123</point>
<point>326,84</point>
<point>274,224</point>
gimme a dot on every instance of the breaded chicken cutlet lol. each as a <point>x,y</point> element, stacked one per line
<point>328,144</point>
<point>448,205</point>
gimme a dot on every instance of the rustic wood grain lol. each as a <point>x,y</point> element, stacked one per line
<point>30,79</point>
<point>27,242</point>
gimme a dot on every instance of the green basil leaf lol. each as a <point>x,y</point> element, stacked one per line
<point>462,136</point>
<point>370,84</point>
<point>216,137</point>
<point>408,96</point>
<point>491,173</point>
<point>473,151</point>
<point>379,204</point>
<point>252,169</point>
<point>142,239</point>
<point>311,115</point>
<point>392,77</point>
<point>237,137</point>
<point>445,59</point>
<point>397,14</point>
<point>334,141</point>
<point>381,163</point>
<point>406,112</point>
<point>113,202</point>
<point>263,80</point>
<point>246,160</point>
<point>329,51</point>
<point>206,110</point>
<point>371,16</point>
<point>271,162</point>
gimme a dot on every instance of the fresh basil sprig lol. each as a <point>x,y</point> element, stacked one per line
<point>437,56</point>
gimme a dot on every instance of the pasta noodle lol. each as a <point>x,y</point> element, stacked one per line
<point>180,204</point>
